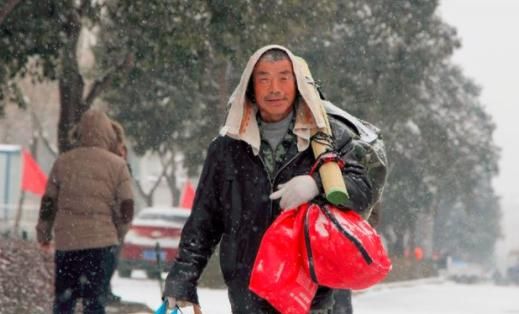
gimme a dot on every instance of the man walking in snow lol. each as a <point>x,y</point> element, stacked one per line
<point>265,142</point>
<point>88,203</point>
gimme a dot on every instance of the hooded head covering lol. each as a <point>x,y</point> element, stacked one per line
<point>241,120</point>
<point>95,130</point>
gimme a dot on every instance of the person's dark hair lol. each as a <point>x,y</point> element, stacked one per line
<point>271,55</point>
<point>274,55</point>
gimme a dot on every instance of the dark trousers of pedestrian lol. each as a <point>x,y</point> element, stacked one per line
<point>82,274</point>
<point>115,251</point>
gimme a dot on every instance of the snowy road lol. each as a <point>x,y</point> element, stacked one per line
<point>417,298</point>
<point>444,298</point>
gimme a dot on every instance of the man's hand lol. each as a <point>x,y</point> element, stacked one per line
<point>172,303</point>
<point>296,191</point>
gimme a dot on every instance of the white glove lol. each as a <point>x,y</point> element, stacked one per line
<point>296,191</point>
<point>172,303</point>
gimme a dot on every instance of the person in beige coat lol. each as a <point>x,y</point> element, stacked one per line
<point>88,203</point>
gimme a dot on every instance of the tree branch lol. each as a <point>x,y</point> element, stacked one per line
<point>148,196</point>
<point>156,184</point>
<point>7,8</point>
<point>100,85</point>
<point>20,99</point>
<point>171,177</point>
<point>162,175</point>
<point>141,191</point>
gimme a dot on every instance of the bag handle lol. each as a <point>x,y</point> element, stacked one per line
<point>163,309</point>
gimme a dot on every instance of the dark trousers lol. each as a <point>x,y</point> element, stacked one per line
<point>115,251</point>
<point>342,302</point>
<point>82,274</point>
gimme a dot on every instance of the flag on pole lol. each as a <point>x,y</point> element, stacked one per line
<point>33,178</point>
<point>187,196</point>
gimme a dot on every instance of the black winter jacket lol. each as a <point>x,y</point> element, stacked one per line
<point>232,207</point>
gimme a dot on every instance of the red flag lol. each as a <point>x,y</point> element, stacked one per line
<point>187,196</point>
<point>33,178</point>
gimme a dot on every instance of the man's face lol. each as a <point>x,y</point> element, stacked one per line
<point>274,88</point>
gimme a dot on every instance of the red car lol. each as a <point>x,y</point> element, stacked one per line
<point>155,232</point>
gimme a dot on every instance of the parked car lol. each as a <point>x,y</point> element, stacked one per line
<point>152,241</point>
<point>463,271</point>
<point>512,274</point>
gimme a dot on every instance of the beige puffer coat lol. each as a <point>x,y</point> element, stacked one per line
<point>85,190</point>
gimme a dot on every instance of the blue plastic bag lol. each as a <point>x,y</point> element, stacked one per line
<point>163,309</point>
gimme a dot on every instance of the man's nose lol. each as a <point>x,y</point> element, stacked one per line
<point>275,86</point>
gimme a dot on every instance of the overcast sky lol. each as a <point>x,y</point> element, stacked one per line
<point>489,55</point>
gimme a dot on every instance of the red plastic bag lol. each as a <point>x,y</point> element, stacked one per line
<point>314,246</point>
<point>347,252</point>
<point>279,275</point>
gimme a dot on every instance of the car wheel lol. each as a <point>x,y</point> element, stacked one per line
<point>124,272</point>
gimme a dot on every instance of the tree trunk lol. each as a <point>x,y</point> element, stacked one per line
<point>399,245</point>
<point>411,245</point>
<point>171,179</point>
<point>170,175</point>
<point>71,85</point>
<point>19,213</point>
<point>41,136</point>
<point>147,197</point>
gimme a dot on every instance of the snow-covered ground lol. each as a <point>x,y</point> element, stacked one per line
<point>444,298</point>
<point>420,297</point>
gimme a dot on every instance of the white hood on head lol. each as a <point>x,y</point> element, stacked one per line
<point>241,120</point>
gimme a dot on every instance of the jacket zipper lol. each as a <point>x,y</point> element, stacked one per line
<point>272,181</point>
<point>271,185</point>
